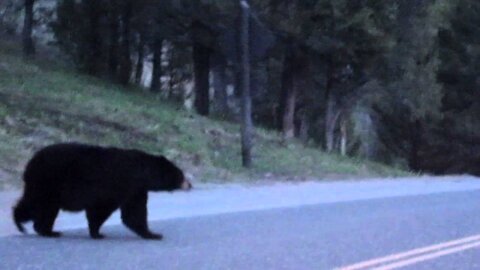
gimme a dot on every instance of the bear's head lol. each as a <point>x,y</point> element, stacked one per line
<point>167,176</point>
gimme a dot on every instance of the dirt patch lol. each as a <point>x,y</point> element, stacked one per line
<point>35,117</point>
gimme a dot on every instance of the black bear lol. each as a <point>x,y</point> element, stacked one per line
<point>99,180</point>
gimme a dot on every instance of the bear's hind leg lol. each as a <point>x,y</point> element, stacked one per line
<point>134,216</point>
<point>44,220</point>
<point>96,216</point>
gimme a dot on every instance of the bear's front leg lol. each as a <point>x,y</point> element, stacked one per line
<point>134,216</point>
<point>44,219</point>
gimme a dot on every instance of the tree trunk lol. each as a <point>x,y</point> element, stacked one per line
<point>140,60</point>
<point>156,84</point>
<point>220,86</point>
<point>287,95</point>
<point>93,53</point>
<point>113,41</point>
<point>295,77</point>
<point>28,45</point>
<point>304,127</point>
<point>332,113</point>
<point>416,143</point>
<point>201,63</point>
<point>247,126</point>
<point>343,137</point>
<point>288,125</point>
<point>286,86</point>
<point>125,60</point>
<point>331,119</point>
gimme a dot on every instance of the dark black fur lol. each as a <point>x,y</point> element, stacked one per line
<point>77,177</point>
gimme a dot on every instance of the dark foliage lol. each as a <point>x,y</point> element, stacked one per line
<point>316,68</point>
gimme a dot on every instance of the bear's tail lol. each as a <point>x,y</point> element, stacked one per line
<point>21,214</point>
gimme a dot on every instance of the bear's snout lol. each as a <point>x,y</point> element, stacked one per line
<point>186,185</point>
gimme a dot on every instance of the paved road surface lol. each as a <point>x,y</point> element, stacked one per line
<point>326,235</point>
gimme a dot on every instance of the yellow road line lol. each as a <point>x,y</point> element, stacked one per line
<point>415,252</point>
<point>427,257</point>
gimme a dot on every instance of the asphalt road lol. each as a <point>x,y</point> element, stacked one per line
<point>321,236</point>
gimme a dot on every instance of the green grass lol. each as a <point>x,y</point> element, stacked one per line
<point>42,103</point>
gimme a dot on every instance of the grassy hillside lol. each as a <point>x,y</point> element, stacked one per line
<point>42,103</point>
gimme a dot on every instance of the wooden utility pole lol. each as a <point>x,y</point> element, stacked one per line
<point>246,125</point>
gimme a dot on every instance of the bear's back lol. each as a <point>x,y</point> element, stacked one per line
<point>59,160</point>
